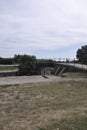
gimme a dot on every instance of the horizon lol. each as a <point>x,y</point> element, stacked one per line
<point>46,29</point>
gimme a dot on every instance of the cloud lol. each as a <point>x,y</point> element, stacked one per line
<point>41,25</point>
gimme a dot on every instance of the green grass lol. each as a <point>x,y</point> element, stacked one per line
<point>4,68</point>
<point>44,106</point>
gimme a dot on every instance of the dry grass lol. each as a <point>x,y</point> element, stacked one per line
<point>44,106</point>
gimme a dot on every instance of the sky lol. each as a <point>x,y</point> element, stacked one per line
<point>44,28</point>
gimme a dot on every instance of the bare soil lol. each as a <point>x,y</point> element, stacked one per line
<point>26,79</point>
<point>38,78</point>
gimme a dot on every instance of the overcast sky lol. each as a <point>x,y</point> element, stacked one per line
<point>45,28</point>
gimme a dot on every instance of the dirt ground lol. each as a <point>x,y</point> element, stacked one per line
<point>37,79</point>
<point>26,79</point>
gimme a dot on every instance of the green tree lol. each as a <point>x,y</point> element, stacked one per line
<point>6,61</point>
<point>82,54</point>
<point>27,65</point>
<point>16,58</point>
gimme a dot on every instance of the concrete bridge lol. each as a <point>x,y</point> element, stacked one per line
<point>62,66</point>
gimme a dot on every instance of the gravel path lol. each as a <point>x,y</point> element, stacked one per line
<point>26,79</point>
<point>35,79</point>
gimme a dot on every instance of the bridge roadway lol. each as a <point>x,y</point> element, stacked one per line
<point>75,65</point>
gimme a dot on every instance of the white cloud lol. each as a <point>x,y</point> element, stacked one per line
<point>46,24</point>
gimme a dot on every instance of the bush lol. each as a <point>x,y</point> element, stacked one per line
<point>27,65</point>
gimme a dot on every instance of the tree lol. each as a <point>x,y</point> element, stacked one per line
<point>82,54</point>
<point>16,58</point>
<point>6,61</point>
<point>27,65</point>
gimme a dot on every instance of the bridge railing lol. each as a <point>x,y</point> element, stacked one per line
<point>65,60</point>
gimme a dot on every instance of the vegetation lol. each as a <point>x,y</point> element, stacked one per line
<point>5,68</point>
<point>6,61</point>
<point>45,63</point>
<point>44,106</point>
<point>27,65</point>
<point>82,54</point>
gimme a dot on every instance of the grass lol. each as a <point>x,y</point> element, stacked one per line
<point>77,75</point>
<point>44,106</point>
<point>76,123</point>
<point>4,68</point>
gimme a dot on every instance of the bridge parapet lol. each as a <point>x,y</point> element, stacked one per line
<point>75,65</point>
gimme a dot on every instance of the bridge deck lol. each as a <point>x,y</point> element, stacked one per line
<point>75,65</point>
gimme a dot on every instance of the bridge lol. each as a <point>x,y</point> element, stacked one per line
<point>61,66</point>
